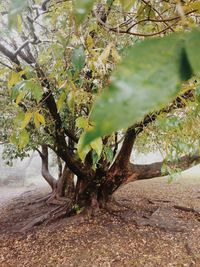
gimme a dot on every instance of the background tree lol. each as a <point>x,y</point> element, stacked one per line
<point>57,58</point>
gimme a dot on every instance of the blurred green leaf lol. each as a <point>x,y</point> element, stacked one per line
<point>82,8</point>
<point>148,77</point>
<point>193,50</point>
<point>15,9</point>
<point>78,58</point>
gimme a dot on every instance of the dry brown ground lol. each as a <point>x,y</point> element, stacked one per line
<point>151,231</point>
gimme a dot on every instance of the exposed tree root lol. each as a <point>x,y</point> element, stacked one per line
<point>154,201</point>
<point>56,200</point>
<point>50,216</point>
<point>41,199</point>
<point>187,209</point>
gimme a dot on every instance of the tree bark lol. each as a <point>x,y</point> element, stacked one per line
<point>45,168</point>
<point>118,172</point>
<point>148,171</point>
<point>65,184</point>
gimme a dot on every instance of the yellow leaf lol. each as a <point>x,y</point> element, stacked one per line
<point>89,42</point>
<point>27,118</point>
<point>15,78</point>
<point>37,124</point>
<point>192,6</point>
<point>20,97</point>
<point>38,119</point>
<point>82,122</point>
<point>60,101</point>
<point>23,139</point>
<point>105,54</point>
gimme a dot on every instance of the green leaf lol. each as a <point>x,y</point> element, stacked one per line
<point>82,122</point>
<point>26,86</point>
<point>61,100</point>
<point>23,139</point>
<point>127,4</point>
<point>15,9</point>
<point>19,118</point>
<point>14,139</point>
<point>148,77</point>
<point>35,88</point>
<point>71,101</point>
<point>78,58</point>
<point>109,154</point>
<point>95,159</point>
<point>82,150</point>
<point>97,146</point>
<point>16,90</point>
<point>82,9</point>
<point>193,50</point>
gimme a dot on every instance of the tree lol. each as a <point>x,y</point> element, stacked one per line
<point>57,58</point>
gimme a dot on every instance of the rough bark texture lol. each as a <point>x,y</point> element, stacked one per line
<point>119,170</point>
<point>65,184</point>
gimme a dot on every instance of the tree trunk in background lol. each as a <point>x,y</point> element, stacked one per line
<point>45,168</point>
<point>64,185</point>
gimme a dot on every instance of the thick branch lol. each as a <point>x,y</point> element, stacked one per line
<point>148,171</point>
<point>122,159</point>
<point>9,54</point>
<point>62,150</point>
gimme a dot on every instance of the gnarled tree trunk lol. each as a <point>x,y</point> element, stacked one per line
<point>63,187</point>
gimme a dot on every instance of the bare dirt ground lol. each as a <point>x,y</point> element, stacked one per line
<point>158,226</point>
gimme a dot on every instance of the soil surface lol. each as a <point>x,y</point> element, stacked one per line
<point>156,224</point>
